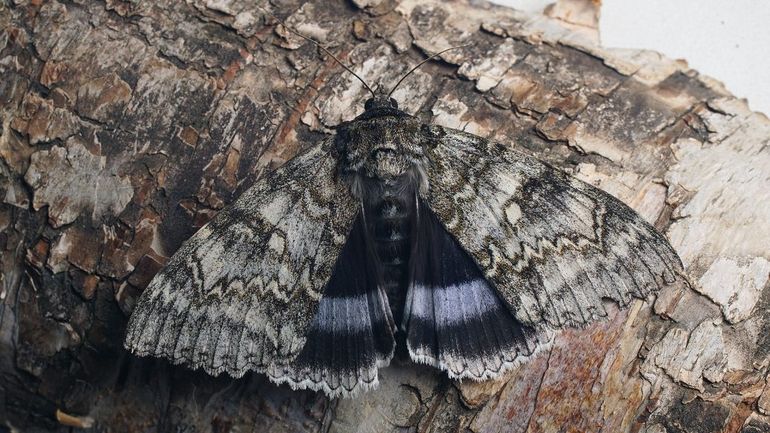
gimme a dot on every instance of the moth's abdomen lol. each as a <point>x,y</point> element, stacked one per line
<point>391,220</point>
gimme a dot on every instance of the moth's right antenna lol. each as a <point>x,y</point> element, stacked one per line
<point>422,63</point>
<point>317,44</point>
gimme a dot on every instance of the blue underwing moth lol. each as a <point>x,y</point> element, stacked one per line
<point>463,252</point>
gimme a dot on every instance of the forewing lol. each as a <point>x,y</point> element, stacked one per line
<point>241,293</point>
<point>553,246</point>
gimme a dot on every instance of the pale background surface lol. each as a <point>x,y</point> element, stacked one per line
<point>729,41</point>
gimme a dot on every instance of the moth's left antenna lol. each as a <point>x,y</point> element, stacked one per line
<point>318,44</point>
<point>417,66</point>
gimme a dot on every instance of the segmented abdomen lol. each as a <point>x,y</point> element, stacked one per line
<point>391,222</point>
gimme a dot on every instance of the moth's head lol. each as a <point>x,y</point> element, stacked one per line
<point>380,101</point>
<point>383,142</point>
<point>380,105</point>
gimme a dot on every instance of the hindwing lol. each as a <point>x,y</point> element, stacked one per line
<point>454,319</point>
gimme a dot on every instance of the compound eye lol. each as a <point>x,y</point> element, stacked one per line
<point>393,103</point>
<point>369,104</point>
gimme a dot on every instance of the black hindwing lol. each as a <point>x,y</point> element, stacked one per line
<point>454,319</point>
<point>351,335</point>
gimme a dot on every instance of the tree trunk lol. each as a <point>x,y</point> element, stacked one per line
<point>126,125</point>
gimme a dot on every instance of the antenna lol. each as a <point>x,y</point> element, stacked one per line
<point>422,63</point>
<point>317,44</point>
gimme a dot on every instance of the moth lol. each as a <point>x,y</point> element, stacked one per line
<point>464,253</point>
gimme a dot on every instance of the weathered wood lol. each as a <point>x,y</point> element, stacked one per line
<point>124,126</point>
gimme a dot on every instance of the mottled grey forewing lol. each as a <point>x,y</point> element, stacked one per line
<point>241,293</point>
<point>553,246</point>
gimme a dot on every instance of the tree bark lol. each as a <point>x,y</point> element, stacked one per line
<point>125,126</point>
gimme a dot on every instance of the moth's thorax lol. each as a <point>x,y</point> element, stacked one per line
<point>381,147</point>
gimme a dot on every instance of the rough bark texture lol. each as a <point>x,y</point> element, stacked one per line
<point>124,126</point>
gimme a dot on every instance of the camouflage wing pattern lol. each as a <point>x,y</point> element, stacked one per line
<point>242,292</point>
<point>553,246</point>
